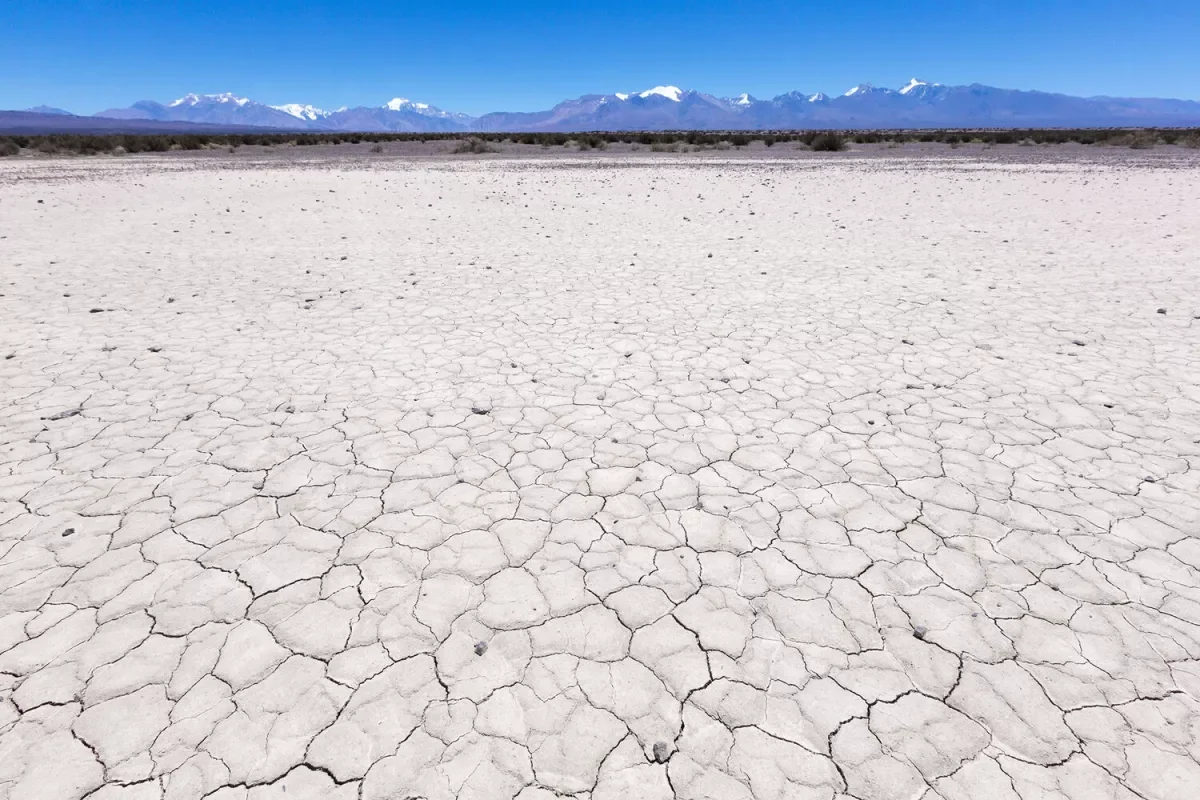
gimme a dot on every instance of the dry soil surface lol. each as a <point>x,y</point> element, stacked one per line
<point>599,478</point>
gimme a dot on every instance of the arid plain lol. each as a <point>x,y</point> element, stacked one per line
<point>626,476</point>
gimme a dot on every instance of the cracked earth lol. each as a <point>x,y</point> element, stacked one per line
<point>846,479</point>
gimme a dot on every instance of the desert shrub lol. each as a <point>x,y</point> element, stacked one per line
<point>473,145</point>
<point>665,147</point>
<point>9,148</point>
<point>769,140</point>
<point>1134,140</point>
<point>377,148</point>
<point>1191,140</point>
<point>828,143</point>
<point>739,140</point>
<point>119,151</point>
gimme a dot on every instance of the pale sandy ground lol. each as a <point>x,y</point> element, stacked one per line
<point>808,479</point>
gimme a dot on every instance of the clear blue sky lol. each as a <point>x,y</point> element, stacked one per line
<point>465,55</point>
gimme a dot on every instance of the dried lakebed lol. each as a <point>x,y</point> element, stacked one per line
<point>599,479</point>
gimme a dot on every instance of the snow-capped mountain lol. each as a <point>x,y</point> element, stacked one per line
<point>425,110</point>
<point>923,90</point>
<point>916,104</point>
<point>659,108</point>
<point>672,93</point>
<point>304,112</point>
<point>214,109</point>
<point>198,99</point>
<point>398,114</point>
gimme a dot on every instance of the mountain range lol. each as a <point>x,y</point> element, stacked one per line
<point>918,104</point>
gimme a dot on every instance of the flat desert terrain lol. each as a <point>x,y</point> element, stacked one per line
<point>600,477</point>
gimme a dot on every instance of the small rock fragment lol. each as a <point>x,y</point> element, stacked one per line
<point>661,752</point>
<point>480,648</point>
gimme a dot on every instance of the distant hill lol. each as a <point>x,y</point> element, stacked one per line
<point>31,123</point>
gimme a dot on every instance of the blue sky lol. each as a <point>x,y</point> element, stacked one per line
<point>463,55</point>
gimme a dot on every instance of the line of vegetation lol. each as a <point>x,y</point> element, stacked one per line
<point>662,141</point>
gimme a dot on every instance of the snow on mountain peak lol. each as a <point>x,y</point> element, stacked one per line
<point>306,112</point>
<point>912,84</point>
<point>398,103</point>
<point>819,96</point>
<point>193,99</point>
<point>621,96</point>
<point>669,92</point>
<point>742,100</point>
<point>861,88</point>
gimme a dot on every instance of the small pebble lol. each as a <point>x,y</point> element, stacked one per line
<point>661,752</point>
<point>480,648</point>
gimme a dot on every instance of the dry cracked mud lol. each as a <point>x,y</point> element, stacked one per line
<point>739,479</point>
